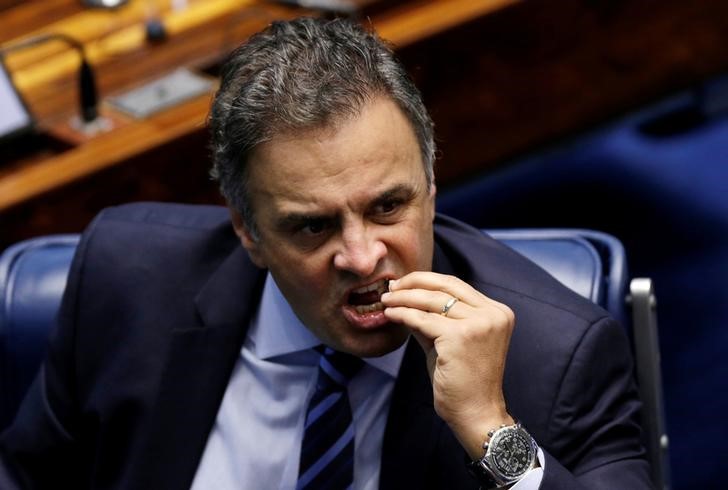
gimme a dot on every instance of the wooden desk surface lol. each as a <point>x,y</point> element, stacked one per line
<point>117,48</point>
<point>198,36</point>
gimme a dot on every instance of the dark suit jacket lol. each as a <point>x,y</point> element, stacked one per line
<point>155,312</point>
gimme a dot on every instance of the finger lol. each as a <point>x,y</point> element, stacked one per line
<point>433,281</point>
<point>430,325</point>
<point>451,285</point>
<point>425,300</point>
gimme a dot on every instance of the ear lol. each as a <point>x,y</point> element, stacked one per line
<point>433,193</point>
<point>247,239</point>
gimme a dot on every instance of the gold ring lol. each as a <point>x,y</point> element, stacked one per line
<point>448,305</point>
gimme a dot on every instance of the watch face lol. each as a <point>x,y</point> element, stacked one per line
<point>511,452</point>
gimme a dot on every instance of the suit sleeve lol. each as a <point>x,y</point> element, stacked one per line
<point>594,439</point>
<point>42,446</point>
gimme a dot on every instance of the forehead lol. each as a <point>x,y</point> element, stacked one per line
<point>355,158</point>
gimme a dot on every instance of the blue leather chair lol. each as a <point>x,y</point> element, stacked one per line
<point>32,279</point>
<point>33,276</point>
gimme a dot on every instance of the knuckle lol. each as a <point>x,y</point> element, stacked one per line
<point>492,319</point>
<point>510,316</point>
<point>451,281</point>
<point>471,333</point>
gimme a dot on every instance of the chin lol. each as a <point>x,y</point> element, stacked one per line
<point>376,344</point>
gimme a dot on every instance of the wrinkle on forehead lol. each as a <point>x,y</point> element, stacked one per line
<point>359,156</point>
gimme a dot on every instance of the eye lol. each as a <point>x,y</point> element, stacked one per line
<point>387,207</point>
<point>313,227</point>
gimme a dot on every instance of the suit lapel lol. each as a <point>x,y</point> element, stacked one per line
<point>412,426</point>
<point>198,367</point>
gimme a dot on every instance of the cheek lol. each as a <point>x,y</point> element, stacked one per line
<point>424,243</point>
<point>317,280</point>
<point>305,287</point>
<point>309,275</point>
<point>413,246</point>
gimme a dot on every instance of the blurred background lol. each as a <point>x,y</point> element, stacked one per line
<point>611,115</point>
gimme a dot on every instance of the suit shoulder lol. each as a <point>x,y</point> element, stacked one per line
<point>167,214</point>
<point>507,276</point>
<point>162,234</point>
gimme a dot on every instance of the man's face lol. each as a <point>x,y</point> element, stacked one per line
<point>339,212</point>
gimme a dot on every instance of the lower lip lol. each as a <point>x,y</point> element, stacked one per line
<point>374,319</point>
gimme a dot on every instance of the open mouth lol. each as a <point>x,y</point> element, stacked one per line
<point>367,299</point>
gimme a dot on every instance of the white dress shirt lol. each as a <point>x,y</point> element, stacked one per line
<point>256,439</point>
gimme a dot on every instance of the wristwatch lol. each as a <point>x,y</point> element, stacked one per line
<point>510,452</point>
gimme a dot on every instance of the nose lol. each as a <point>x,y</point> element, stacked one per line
<point>360,250</point>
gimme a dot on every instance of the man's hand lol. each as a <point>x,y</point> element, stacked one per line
<point>466,350</point>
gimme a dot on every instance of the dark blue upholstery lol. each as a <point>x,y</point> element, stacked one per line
<point>32,279</point>
<point>596,267</point>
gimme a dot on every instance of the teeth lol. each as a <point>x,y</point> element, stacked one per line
<point>361,309</point>
<point>380,286</point>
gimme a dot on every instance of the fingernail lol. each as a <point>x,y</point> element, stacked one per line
<point>385,296</point>
<point>392,283</point>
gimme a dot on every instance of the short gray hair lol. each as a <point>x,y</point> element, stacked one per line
<point>303,74</point>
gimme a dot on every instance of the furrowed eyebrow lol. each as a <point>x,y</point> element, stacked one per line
<point>292,220</point>
<point>400,192</point>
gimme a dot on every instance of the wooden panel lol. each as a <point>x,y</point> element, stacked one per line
<point>500,77</point>
<point>416,21</point>
<point>116,45</point>
<point>104,151</point>
<point>174,171</point>
<point>198,36</point>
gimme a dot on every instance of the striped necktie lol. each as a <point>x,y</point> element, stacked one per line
<point>327,449</point>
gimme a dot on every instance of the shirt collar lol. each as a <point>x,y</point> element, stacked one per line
<point>276,331</point>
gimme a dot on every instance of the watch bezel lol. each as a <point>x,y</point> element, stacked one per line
<point>489,462</point>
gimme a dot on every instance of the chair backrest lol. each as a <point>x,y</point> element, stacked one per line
<point>594,265</point>
<point>589,262</point>
<point>33,276</point>
<point>32,280</point>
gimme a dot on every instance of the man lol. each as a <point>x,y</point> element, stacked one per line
<point>178,363</point>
